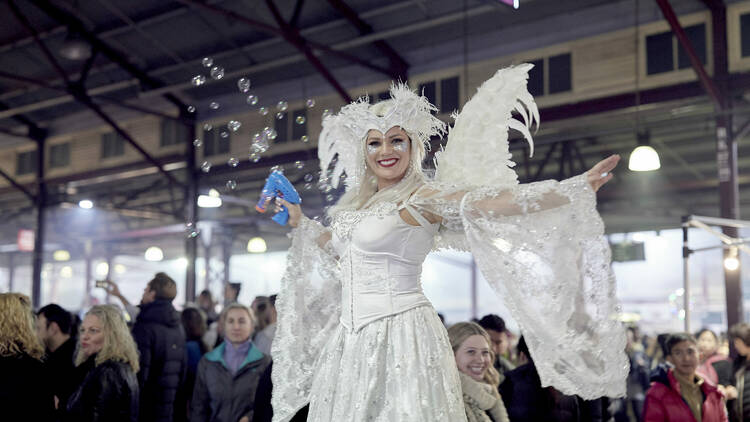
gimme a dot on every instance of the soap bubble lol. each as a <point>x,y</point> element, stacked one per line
<point>272,135</point>
<point>299,164</point>
<point>282,105</point>
<point>280,115</point>
<point>330,197</point>
<point>191,231</point>
<point>206,167</point>
<point>327,113</point>
<point>231,185</point>
<point>252,99</point>
<point>233,162</point>
<point>207,61</point>
<point>310,103</point>
<point>197,143</point>
<point>263,111</point>
<point>224,134</point>
<point>304,139</point>
<point>191,109</point>
<point>277,168</point>
<point>198,80</point>
<point>243,84</point>
<point>217,72</point>
<point>254,158</point>
<point>234,125</point>
<point>300,120</point>
<point>308,177</point>
<point>207,127</point>
<point>308,186</point>
<point>214,105</point>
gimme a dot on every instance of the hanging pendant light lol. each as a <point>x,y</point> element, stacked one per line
<point>644,157</point>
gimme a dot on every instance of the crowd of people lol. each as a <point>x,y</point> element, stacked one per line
<point>198,365</point>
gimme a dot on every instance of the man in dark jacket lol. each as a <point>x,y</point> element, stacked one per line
<point>161,344</point>
<point>678,394</point>
<point>55,329</point>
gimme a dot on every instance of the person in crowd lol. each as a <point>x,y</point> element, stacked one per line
<point>107,363</point>
<point>656,350</point>
<point>228,376</point>
<point>527,401</point>
<point>114,290</point>
<point>479,379</point>
<point>25,393</point>
<point>738,393</point>
<point>207,304</point>
<point>714,367</point>
<point>638,379</point>
<point>161,344</point>
<point>679,394</point>
<point>265,313</point>
<point>194,323</point>
<point>55,329</point>
<point>232,293</point>
<point>263,410</point>
<point>495,327</point>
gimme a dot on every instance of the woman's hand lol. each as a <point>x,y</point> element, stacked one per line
<point>601,173</point>
<point>295,210</point>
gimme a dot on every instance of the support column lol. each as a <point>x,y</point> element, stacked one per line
<point>191,213</point>
<point>41,197</point>
<point>11,270</point>
<point>474,289</point>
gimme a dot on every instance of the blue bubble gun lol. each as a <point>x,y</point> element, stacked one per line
<point>277,185</point>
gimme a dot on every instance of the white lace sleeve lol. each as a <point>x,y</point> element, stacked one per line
<point>308,306</point>
<point>542,248</point>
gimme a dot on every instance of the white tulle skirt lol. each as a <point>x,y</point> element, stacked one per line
<point>399,368</point>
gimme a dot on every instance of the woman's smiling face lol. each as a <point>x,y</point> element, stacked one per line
<point>388,155</point>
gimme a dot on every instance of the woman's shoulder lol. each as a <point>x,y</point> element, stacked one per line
<point>21,360</point>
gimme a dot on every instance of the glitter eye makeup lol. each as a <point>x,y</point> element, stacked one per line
<point>400,145</point>
<point>373,147</point>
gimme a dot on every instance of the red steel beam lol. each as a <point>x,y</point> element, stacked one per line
<point>708,83</point>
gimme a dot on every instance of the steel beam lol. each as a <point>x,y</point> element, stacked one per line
<point>191,215</point>
<point>40,234</point>
<point>18,186</point>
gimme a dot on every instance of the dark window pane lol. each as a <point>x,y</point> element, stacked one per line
<point>449,95</point>
<point>560,76</point>
<point>386,95</point>
<point>214,143</point>
<point>26,163</point>
<point>59,155</point>
<point>745,34</point>
<point>428,90</point>
<point>536,78</point>
<point>281,126</point>
<point>113,145</point>
<point>697,36</point>
<point>299,129</point>
<point>172,132</point>
<point>659,53</point>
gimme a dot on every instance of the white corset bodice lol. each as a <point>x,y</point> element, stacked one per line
<point>381,260</point>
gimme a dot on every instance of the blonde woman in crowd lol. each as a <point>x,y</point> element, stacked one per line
<point>107,362</point>
<point>25,394</point>
<point>479,378</point>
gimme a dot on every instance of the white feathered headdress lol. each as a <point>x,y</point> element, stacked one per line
<point>343,134</point>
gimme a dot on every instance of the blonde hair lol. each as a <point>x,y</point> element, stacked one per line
<point>459,332</point>
<point>367,194</point>
<point>118,342</point>
<point>17,333</point>
<point>235,305</point>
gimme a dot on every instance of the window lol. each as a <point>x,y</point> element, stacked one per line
<point>745,34</point>
<point>59,155</point>
<point>214,143</point>
<point>661,48</point>
<point>449,95</point>
<point>428,90</point>
<point>560,73</point>
<point>173,132</point>
<point>536,78</point>
<point>25,163</point>
<point>299,129</point>
<point>281,126</point>
<point>113,145</point>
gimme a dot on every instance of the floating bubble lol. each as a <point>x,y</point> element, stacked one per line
<point>308,186</point>
<point>198,80</point>
<point>214,105</point>
<point>197,143</point>
<point>327,113</point>
<point>304,139</point>
<point>280,115</point>
<point>191,231</point>
<point>208,126</point>
<point>206,167</point>
<point>254,158</point>
<point>272,135</point>
<point>207,61</point>
<point>234,125</point>
<point>310,103</point>
<point>224,134</point>
<point>277,168</point>
<point>299,164</point>
<point>191,109</point>
<point>300,120</point>
<point>308,177</point>
<point>243,84</point>
<point>259,144</point>
<point>263,111</point>
<point>233,162</point>
<point>282,105</point>
<point>217,72</point>
<point>231,185</point>
<point>252,99</point>
<point>329,197</point>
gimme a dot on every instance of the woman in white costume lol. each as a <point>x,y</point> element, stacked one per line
<point>356,336</point>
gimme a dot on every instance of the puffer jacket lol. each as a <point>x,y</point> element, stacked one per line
<point>26,392</point>
<point>108,393</point>
<point>161,344</point>
<point>219,396</point>
<point>664,402</point>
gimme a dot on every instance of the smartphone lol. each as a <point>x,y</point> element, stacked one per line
<point>101,283</point>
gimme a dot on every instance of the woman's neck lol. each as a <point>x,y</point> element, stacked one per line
<point>386,183</point>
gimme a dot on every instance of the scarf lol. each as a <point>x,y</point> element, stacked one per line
<point>480,402</point>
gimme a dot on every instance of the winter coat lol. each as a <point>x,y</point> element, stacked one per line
<point>716,369</point>
<point>60,368</point>
<point>25,390</point>
<point>664,402</point>
<point>108,393</point>
<point>480,403</point>
<point>219,396</point>
<point>526,400</point>
<point>263,411</point>
<point>161,344</point>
